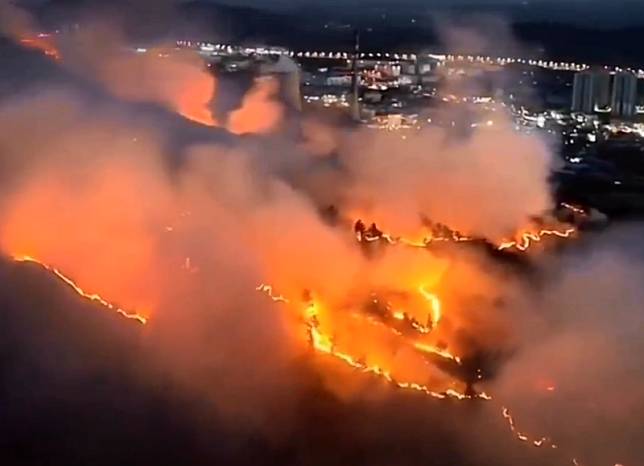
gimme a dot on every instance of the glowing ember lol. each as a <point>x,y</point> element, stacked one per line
<point>43,44</point>
<point>572,208</point>
<point>90,296</point>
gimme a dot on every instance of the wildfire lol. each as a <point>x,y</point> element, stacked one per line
<point>43,44</point>
<point>539,442</point>
<point>268,290</point>
<point>436,351</point>
<point>94,297</point>
<point>526,239</point>
<point>435,304</point>
<point>324,343</point>
<point>572,208</point>
<point>439,233</point>
<point>442,233</point>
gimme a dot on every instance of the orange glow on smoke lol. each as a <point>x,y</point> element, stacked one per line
<point>164,76</point>
<point>260,112</point>
<point>193,101</point>
<point>43,44</point>
<point>92,235</point>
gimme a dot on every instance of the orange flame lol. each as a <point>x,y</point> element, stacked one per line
<point>43,44</point>
<point>268,290</point>
<point>540,442</point>
<point>526,239</point>
<point>522,242</point>
<point>435,304</point>
<point>94,297</point>
<point>572,208</point>
<point>324,343</point>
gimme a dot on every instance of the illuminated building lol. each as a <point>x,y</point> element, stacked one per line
<point>601,91</point>
<point>624,95</point>
<point>591,92</point>
<point>582,96</point>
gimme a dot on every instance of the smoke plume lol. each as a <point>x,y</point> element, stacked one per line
<point>372,350</point>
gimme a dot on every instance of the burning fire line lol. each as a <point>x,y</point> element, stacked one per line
<point>420,346</point>
<point>575,209</point>
<point>324,344</point>
<point>528,238</point>
<point>89,296</point>
<point>436,351</point>
<point>521,243</point>
<point>42,44</point>
<point>268,290</point>
<point>541,442</point>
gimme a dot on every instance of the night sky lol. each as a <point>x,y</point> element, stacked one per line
<point>596,13</point>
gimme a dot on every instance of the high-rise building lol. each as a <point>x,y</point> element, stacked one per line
<point>624,96</point>
<point>601,91</point>
<point>582,93</point>
<point>591,92</point>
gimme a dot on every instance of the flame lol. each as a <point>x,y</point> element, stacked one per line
<point>94,297</point>
<point>526,239</point>
<point>443,234</point>
<point>572,208</point>
<point>435,304</point>
<point>436,351</point>
<point>268,290</point>
<point>324,343</point>
<point>537,442</point>
<point>521,242</point>
<point>43,44</point>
